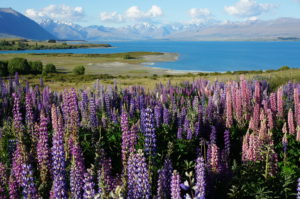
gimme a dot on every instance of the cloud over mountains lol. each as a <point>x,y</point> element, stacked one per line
<point>133,13</point>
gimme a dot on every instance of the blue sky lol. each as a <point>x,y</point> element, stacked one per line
<point>126,12</point>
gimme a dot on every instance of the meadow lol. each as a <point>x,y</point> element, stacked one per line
<point>193,139</point>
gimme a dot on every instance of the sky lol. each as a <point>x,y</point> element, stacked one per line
<point>128,12</point>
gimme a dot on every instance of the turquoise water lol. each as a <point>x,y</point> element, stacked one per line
<point>207,56</point>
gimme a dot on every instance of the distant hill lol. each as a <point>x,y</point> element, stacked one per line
<point>281,29</point>
<point>14,24</point>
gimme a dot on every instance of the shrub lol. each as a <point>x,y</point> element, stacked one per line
<point>79,70</point>
<point>3,68</point>
<point>49,68</point>
<point>19,65</point>
<point>128,56</point>
<point>36,67</point>
<point>283,68</point>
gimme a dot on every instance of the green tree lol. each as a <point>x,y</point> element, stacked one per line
<point>3,68</point>
<point>19,65</point>
<point>49,68</point>
<point>36,67</point>
<point>79,70</point>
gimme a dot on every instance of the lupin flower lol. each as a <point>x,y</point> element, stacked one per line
<point>17,162</point>
<point>227,143</point>
<point>3,180</point>
<point>164,180</point>
<point>125,135</point>
<point>58,160</point>
<point>43,151</point>
<point>13,187</point>
<point>270,119</point>
<point>175,186</point>
<point>77,171</point>
<point>93,117</point>
<point>17,114</point>
<point>200,188</point>
<point>215,160</point>
<point>166,116</point>
<point>257,92</point>
<point>284,142</point>
<point>29,111</point>
<point>273,103</point>
<point>296,103</point>
<point>229,120</point>
<point>291,122</point>
<point>29,189</point>
<point>150,134</point>
<point>89,191</point>
<point>133,138</point>
<point>280,102</point>
<point>238,105</point>
<point>138,177</point>
<point>158,115</point>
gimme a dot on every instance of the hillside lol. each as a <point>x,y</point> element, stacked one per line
<point>14,24</point>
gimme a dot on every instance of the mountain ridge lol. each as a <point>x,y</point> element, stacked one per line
<point>13,23</point>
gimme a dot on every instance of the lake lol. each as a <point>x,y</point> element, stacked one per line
<point>207,56</point>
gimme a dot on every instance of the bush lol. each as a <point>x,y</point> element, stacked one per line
<point>49,68</point>
<point>284,68</point>
<point>36,67</point>
<point>79,70</point>
<point>128,56</point>
<point>19,65</point>
<point>3,68</point>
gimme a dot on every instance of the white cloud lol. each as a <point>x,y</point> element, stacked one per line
<point>248,8</point>
<point>133,13</point>
<point>57,12</point>
<point>200,15</point>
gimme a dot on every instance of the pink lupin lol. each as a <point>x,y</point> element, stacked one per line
<point>296,103</point>
<point>257,92</point>
<point>229,120</point>
<point>291,122</point>
<point>273,103</point>
<point>270,119</point>
<point>280,102</point>
<point>238,105</point>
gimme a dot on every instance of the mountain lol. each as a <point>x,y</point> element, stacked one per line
<point>14,24</point>
<point>278,29</point>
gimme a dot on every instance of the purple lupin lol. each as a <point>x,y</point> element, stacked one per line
<point>200,178</point>
<point>150,135</point>
<point>43,151</point>
<point>58,158</point>
<point>89,190</point>
<point>175,186</point>
<point>138,177</point>
<point>29,189</point>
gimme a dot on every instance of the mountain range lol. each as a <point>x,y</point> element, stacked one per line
<point>16,24</point>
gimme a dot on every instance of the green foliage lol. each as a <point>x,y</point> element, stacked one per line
<point>128,56</point>
<point>49,68</point>
<point>79,70</point>
<point>283,68</point>
<point>19,65</point>
<point>36,67</point>
<point>3,68</point>
<point>52,41</point>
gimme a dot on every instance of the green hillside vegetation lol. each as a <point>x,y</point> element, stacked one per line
<point>23,44</point>
<point>24,67</point>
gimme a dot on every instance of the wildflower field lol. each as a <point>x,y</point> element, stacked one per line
<point>201,139</point>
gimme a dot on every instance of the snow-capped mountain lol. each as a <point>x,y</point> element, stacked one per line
<point>246,30</point>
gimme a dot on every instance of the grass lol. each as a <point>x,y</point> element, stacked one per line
<point>94,63</point>
<point>62,81</point>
